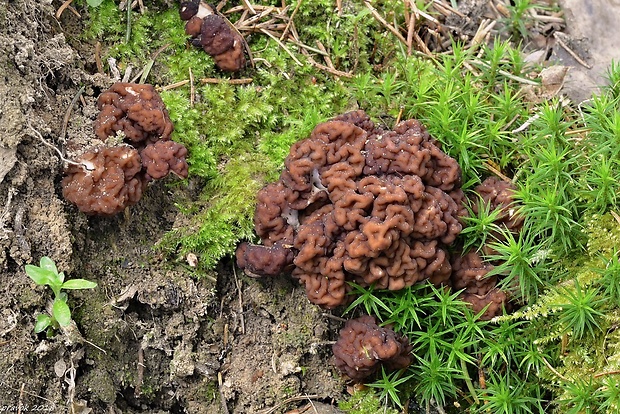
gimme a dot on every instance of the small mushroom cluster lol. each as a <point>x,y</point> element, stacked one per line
<point>212,33</point>
<point>363,348</point>
<point>358,203</point>
<point>469,270</point>
<point>109,177</point>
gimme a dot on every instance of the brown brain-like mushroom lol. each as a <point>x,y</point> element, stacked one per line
<point>260,260</point>
<point>214,35</point>
<point>107,180</point>
<point>136,110</point>
<point>495,194</point>
<point>164,157</point>
<point>359,204</point>
<point>363,347</point>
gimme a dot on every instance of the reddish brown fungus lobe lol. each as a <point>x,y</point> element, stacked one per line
<point>110,177</point>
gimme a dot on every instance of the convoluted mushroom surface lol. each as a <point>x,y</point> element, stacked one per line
<point>135,109</point>
<point>499,194</point>
<point>106,179</point>
<point>363,347</point>
<point>470,273</point>
<point>211,32</point>
<point>360,203</point>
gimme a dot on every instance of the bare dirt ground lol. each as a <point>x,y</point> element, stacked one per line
<point>152,338</point>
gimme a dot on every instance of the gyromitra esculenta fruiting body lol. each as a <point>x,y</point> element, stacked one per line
<point>359,203</point>
<point>134,109</point>
<point>105,180</point>
<point>470,273</point>
<point>212,33</point>
<point>109,177</point>
<point>363,347</point>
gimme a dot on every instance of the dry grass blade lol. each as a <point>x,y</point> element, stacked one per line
<point>282,45</point>
<point>384,22</point>
<point>243,81</point>
<point>67,5</point>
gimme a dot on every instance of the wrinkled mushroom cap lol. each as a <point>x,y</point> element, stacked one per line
<point>136,110</point>
<point>363,347</point>
<point>362,204</point>
<point>109,181</point>
<point>164,157</point>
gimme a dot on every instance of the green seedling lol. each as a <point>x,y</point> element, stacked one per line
<point>47,274</point>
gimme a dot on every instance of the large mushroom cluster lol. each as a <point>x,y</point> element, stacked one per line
<point>211,32</point>
<point>470,271</point>
<point>111,176</point>
<point>359,203</point>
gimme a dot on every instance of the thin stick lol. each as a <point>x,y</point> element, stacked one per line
<point>326,56</point>
<point>98,57</point>
<point>334,72</point>
<point>570,52</point>
<point>334,317</point>
<point>222,397</point>
<point>506,74</point>
<point>247,4</point>
<point>128,32</point>
<point>602,374</point>
<point>287,401</point>
<point>282,45</point>
<point>483,30</point>
<point>410,30</point>
<point>95,346</point>
<point>310,48</point>
<point>62,158</point>
<point>174,85</point>
<point>243,81</point>
<point>290,20</point>
<point>238,284</point>
<point>65,119</point>
<point>554,370</point>
<point>398,118</point>
<point>449,7</point>
<point>495,170</point>
<point>427,16</point>
<point>21,398</point>
<point>67,4</point>
<point>381,20</point>
<point>191,88</point>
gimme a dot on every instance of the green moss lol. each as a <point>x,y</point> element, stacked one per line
<point>364,402</point>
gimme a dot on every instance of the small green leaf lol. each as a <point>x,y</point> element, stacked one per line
<point>39,275</point>
<point>79,284</point>
<point>43,321</point>
<point>48,264</point>
<point>94,3</point>
<point>61,312</point>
